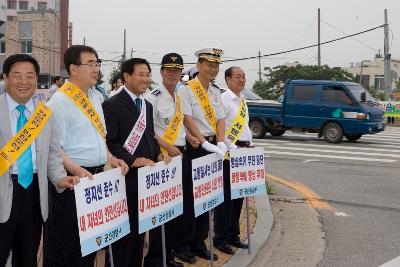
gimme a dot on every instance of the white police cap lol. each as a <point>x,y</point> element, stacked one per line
<point>210,54</point>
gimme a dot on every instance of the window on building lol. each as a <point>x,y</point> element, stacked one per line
<point>26,46</point>
<point>42,6</point>
<point>11,4</point>
<point>2,46</point>
<point>335,94</point>
<point>365,81</point>
<point>11,18</point>
<point>304,92</point>
<point>23,5</point>
<point>25,36</point>
<point>379,82</point>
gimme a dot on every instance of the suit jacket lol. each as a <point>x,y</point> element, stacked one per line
<point>49,162</point>
<point>120,114</point>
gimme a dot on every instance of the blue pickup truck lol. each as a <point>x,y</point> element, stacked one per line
<point>332,109</point>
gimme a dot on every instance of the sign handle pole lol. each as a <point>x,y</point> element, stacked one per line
<point>248,224</point>
<point>111,256</point>
<point>211,237</point>
<point>164,251</point>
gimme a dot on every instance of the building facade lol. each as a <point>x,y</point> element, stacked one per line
<point>373,72</point>
<point>39,28</point>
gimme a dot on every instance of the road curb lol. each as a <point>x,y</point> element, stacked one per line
<point>260,234</point>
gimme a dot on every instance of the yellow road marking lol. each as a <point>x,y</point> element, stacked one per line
<point>312,198</point>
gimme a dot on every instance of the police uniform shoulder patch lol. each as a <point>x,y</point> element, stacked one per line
<point>156,92</point>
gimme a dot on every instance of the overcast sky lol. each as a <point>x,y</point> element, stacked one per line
<point>240,27</point>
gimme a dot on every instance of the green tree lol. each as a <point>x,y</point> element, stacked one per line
<point>100,78</point>
<point>271,87</point>
<point>114,72</point>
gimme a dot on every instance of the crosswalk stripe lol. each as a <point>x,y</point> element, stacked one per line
<point>341,147</point>
<point>332,151</point>
<point>329,156</point>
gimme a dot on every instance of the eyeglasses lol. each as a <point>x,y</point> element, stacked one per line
<point>91,64</point>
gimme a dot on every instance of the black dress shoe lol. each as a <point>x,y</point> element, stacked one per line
<point>172,263</point>
<point>205,254</point>
<point>238,244</point>
<point>185,256</point>
<point>225,249</point>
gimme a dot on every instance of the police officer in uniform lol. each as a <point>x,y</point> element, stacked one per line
<point>209,130</point>
<point>165,107</point>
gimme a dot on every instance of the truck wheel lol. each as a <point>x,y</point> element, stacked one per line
<point>277,132</point>
<point>257,129</point>
<point>353,138</point>
<point>333,133</point>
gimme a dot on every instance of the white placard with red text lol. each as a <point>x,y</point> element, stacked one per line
<point>247,172</point>
<point>208,183</point>
<point>102,210</point>
<point>160,193</point>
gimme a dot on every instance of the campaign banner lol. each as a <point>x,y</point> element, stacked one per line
<point>102,210</point>
<point>208,183</point>
<point>390,108</point>
<point>247,172</point>
<point>41,95</point>
<point>160,193</point>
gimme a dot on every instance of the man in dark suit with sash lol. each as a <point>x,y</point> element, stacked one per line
<point>131,137</point>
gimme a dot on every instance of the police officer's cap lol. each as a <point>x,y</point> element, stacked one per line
<point>172,60</point>
<point>210,54</point>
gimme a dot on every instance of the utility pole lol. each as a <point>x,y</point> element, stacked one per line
<point>132,53</point>
<point>319,38</point>
<point>387,71</point>
<point>362,62</point>
<point>84,40</point>
<point>259,66</point>
<point>124,54</point>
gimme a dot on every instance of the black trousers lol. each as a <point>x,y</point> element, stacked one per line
<point>61,243</point>
<point>22,232</point>
<point>173,233</point>
<point>154,254</point>
<point>227,215</point>
<point>193,231</point>
<point>128,251</point>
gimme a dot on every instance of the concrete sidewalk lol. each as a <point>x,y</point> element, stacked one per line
<point>296,238</point>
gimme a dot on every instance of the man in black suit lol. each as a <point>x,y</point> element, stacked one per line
<point>126,115</point>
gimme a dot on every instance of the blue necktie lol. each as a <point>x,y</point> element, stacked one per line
<point>25,166</point>
<point>138,103</point>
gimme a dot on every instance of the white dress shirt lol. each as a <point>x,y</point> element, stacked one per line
<point>192,107</point>
<point>164,110</point>
<point>14,114</point>
<point>231,104</point>
<point>79,139</point>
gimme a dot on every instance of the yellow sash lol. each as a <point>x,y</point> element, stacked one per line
<point>172,131</point>
<point>237,126</point>
<point>83,103</point>
<point>22,140</point>
<point>204,101</point>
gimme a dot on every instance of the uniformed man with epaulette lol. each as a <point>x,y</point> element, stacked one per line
<point>199,97</point>
<point>170,135</point>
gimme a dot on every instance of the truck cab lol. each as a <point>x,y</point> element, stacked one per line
<point>332,109</point>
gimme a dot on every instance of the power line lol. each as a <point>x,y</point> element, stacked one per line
<point>306,32</point>
<point>306,47</point>
<point>39,47</point>
<point>337,29</point>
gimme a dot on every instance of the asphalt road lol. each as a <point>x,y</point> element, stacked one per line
<point>360,181</point>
